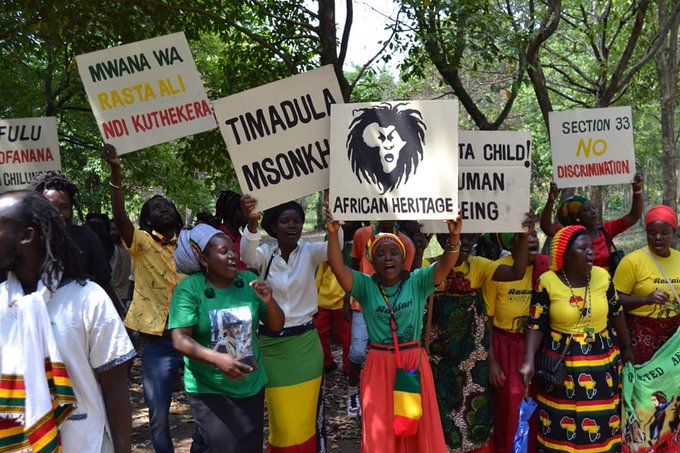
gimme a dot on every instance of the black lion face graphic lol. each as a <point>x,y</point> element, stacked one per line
<point>385,144</point>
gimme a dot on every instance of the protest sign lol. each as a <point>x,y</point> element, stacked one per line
<point>146,93</point>
<point>28,146</point>
<point>494,175</point>
<point>592,147</point>
<point>394,160</point>
<point>277,135</point>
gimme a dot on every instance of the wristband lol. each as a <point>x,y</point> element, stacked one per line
<point>637,192</point>
<point>113,185</point>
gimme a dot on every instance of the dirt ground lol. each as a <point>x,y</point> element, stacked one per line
<point>342,433</point>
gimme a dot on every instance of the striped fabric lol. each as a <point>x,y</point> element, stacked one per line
<point>294,366</point>
<point>584,415</point>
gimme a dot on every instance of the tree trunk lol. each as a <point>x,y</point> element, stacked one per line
<point>667,67</point>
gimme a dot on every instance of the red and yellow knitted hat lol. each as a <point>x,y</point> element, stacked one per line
<point>378,239</point>
<point>559,245</point>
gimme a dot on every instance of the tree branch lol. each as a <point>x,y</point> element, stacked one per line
<point>344,41</point>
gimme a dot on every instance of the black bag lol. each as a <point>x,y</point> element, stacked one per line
<point>550,370</point>
<point>615,255</point>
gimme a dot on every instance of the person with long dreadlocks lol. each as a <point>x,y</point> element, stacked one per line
<point>152,246</point>
<point>63,195</point>
<point>48,301</point>
<point>579,210</point>
<point>229,215</point>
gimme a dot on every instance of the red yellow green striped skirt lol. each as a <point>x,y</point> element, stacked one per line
<point>584,414</point>
<point>294,366</point>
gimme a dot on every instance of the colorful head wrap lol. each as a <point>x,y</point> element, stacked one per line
<point>271,215</point>
<point>568,210</point>
<point>502,240</point>
<point>378,239</point>
<point>190,245</point>
<point>561,242</point>
<point>662,213</point>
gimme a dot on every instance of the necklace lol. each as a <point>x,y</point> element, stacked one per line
<point>585,311</point>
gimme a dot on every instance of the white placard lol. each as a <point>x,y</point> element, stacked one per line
<point>28,146</point>
<point>277,135</point>
<point>146,93</point>
<point>494,176</point>
<point>394,160</point>
<point>592,147</point>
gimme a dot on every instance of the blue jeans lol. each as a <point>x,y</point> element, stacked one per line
<point>359,347</point>
<point>161,365</point>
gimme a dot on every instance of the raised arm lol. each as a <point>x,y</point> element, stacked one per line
<point>547,225</point>
<point>443,265</point>
<point>125,226</point>
<point>636,207</point>
<point>342,272</point>
<point>250,240</point>
<point>520,257</point>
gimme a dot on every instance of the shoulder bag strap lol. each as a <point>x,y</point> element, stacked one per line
<point>393,326</point>
<point>269,265</point>
<point>668,281</point>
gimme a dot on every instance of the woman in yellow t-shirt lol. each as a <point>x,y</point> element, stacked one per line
<point>648,300</point>
<point>507,308</point>
<point>573,309</point>
<point>460,340</point>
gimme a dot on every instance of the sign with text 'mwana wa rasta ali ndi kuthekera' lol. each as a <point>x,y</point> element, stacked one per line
<point>494,174</point>
<point>277,135</point>
<point>592,147</point>
<point>146,93</point>
<point>394,160</point>
<point>28,146</point>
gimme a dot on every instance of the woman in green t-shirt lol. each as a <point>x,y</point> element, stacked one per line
<point>213,317</point>
<point>393,302</point>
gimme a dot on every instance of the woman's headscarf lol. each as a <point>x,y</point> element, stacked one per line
<point>661,213</point>
<point>271,215</point>
<point>568,210</point>
<point>560,244</point>
<point>380,238</point>
<point>502,240</point>
<point>190,245</point>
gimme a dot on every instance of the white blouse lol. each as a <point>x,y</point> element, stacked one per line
<point>293,283</point>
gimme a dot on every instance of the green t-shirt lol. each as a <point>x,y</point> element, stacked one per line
<point>407,300</point>
<point>226,323</point>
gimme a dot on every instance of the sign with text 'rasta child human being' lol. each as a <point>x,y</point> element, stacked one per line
<point>277,135</point>
<point>394,160</point>
<point>494,175</point>
<point>28,146</point>
<point>592,147</point>
<point>146,93</point>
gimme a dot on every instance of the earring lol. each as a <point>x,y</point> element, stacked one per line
<point>209,291</point>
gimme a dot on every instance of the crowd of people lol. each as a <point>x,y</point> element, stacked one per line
<point>439,352</point>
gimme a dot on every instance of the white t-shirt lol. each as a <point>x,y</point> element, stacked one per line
<point>91,339</point>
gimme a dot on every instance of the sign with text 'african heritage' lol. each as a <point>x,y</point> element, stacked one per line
<point>592,147</point>
<point>146,93</point>
<point>277,135</point>
<point>28,146</point>
<point>494,175</point>
<point>394,160</point>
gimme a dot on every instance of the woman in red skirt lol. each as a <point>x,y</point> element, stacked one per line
<point>402,419</point>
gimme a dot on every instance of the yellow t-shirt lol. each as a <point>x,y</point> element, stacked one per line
<point>638,275</point>
<point>331,294</point>
<point>469,276</point>
<point>155,279</point>
<point>508,302</point>
<point>551,305</point>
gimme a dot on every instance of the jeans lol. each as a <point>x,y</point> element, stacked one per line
<point>359,347</point>
<point>161,365</point>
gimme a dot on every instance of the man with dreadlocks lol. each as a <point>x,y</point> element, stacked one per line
<point>152,247</point>
<point>231,219</point>
<point>47,298</point>
<point>63,195</point>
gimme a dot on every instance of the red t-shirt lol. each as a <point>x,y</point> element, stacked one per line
<point>601,248</point>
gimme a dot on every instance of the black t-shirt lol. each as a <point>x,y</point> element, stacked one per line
<point>92,254</point>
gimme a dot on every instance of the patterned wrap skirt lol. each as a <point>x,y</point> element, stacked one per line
<point>584,414</point>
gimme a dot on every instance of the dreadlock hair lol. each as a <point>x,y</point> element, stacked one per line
<point>228,206</point>
<point>56,180</point>
<point>144,214</point>
<point>60,258</point>
<point>98,217</point>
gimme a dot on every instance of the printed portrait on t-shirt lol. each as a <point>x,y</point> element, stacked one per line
<point>231,331</point>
